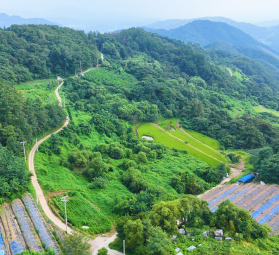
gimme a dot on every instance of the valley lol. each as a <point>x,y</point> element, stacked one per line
<point>207,130</point>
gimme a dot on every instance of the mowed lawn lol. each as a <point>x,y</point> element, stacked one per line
<point>199,145</point>
<point>165,139</point>
<point>260,109</point>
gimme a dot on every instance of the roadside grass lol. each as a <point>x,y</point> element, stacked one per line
<point>260,109</point>
<point>199,145</point>
<point>163,138</point>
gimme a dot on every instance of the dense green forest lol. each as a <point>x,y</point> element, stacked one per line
<point>142,187</point>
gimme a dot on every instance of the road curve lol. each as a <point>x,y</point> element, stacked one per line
<point>100,242</point>
<point>34,179</point>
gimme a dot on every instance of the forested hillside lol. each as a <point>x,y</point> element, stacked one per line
<point>111,175</point>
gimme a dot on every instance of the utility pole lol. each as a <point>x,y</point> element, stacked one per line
<point>97,62</point>
<point>124,247</point>
<point>37,144</point>
<point>63,199</point>
<point>64,98</point>
<point>23,143</point>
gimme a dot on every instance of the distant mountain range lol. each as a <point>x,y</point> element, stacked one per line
<point>205,32</point>
<point>267,35</point>
<point>7,21</point>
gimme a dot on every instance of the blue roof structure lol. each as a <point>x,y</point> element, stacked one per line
<point>247,178</point>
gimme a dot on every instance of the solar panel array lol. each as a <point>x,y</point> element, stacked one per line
<point>26,226</point>
<point>39,223</point>
<point>261,201</point>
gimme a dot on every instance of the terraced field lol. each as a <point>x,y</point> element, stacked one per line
<point>262,202</point>
<point>22,227</point>
<point>177,139</point>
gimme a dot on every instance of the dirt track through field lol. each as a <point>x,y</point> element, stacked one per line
<point>184,142</point>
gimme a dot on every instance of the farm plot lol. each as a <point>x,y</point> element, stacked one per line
<point>80,213</point>
<point>12,232</point>
<point>2,245</point>
<point>214,144</point>
<point>190,140</point>
<point>28,230</point>
<point>162,137</point>
<point>262,202</point>
<point>40,223</point>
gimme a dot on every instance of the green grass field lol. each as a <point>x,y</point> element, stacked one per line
<point>101,76</point>
<point>40,89</point>
<point>161,137</point>
<point>80,213</point>
<point>200,144</point>
<point>260,109</point>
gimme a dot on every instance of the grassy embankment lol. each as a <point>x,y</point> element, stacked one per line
<point>169,141</point>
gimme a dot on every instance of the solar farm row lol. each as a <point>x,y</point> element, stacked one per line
<point>262,201</point>
<point>23,227</point>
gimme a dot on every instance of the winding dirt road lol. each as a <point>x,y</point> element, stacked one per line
<point>34,179</point>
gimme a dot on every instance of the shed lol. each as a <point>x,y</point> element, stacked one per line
<point>246,179</point>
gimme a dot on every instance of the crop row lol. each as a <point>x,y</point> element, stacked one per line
<point>39,223</point>
<point>80,213</point>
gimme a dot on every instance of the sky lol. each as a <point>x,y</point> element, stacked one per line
<point>239,10</point>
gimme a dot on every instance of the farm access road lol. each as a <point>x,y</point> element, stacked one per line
<point>34,179</point>
<point>234,173</point>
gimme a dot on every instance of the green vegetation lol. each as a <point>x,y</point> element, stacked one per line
<point>80,213</point>
<point>161,137</point>
<point>261,109</point>
<point>112,177</point>
<point>42,90</point>
<point>193,142</point>
<point>204,139</point>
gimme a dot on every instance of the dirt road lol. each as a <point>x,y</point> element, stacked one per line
<point>34,179</point>
<point>230,71</point>
<point>234,173</point>
<point>100,242</point>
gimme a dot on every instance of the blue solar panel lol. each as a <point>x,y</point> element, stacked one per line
<point>269,215</point>
<point>223,195</point>
<point>265,206</point>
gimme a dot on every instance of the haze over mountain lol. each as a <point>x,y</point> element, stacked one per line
<point>205,32</point>
<point>266,35</point>
<point>6,21</point>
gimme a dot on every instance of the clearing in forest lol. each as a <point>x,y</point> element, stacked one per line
<point>180,142</point>
<point>260,109</point>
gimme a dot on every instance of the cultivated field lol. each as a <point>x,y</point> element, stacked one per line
<point>262,201</point>
<point>22,227</point>
<point>178,140</point>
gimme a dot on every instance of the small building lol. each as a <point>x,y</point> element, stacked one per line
<point>246,179</point>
